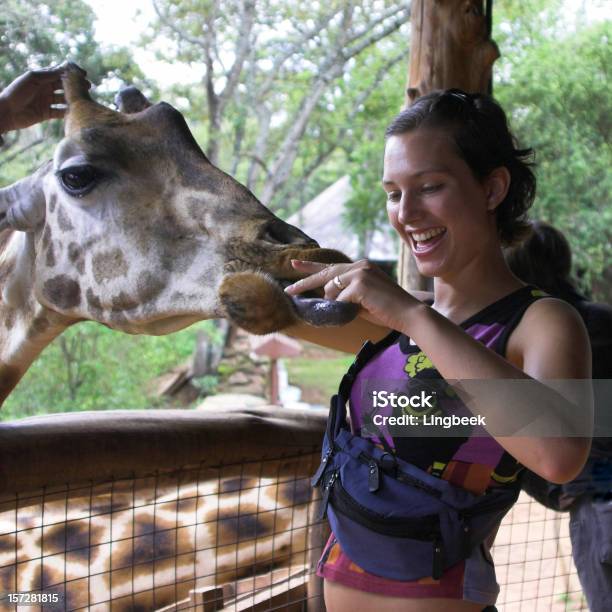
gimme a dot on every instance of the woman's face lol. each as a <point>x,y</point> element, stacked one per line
<point>435,203</point>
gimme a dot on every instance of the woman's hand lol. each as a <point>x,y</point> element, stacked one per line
<point>31,98</point>
<point>383,302</point>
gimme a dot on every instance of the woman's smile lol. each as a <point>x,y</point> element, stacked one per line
<point>424,242</point>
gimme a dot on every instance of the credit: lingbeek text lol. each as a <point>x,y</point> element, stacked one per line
<point>446,421</point>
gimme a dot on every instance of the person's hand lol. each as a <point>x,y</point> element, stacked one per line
<point>382,300</point>
<point>28,99</point>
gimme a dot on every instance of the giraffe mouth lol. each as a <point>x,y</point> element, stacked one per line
<point>251,283</point>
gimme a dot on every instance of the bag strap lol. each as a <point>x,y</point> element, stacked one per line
<point>337,414</point>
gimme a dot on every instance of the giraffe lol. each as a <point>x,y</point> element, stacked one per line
<point>131,226</point>
<point>148,543</point>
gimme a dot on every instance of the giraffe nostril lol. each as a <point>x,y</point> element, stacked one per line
<point>279,232</point>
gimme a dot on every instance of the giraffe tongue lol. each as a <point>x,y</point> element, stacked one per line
<point>323,313</point>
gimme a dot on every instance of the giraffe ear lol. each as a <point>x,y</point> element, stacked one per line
<point>22,208</point>
<point>130,100</point>
<point>19,282</point>
<point>22,204</point>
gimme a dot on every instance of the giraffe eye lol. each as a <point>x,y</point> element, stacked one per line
<point>78,180</point>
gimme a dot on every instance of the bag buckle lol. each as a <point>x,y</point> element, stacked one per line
<point>388,463</point>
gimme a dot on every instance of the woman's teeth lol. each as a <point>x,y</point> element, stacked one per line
<point>428,235</point>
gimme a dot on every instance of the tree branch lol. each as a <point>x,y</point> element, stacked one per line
<point>363,96</point>
<point>390,12</point>
<point>399,21</point>
<point>16,154</point>
<point>293,48</point>
<point>242,51</point>
<point>264,116</point>
<point>182,35</point>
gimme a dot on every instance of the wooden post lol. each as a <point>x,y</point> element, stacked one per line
<point>450,46</point>
<point>274,386</point>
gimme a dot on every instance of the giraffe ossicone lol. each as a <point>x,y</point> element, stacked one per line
<point>130,225</point>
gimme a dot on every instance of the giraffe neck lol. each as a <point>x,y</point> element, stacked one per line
<point>25,330</point>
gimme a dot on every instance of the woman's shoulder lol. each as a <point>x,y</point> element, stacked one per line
<point>551,332</point>
<point>549,319</point>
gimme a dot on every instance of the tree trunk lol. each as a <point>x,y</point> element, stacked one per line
<point>450,47</point>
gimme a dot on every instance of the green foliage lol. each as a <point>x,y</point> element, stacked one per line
<point>101,370</point>
<point>38,34</point>
<point>366,211</point>
<point>558,97</point>
<point>207,385</point>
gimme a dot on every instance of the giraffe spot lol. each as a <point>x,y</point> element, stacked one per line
<point>38,326</point>
<point>108,265</point>
<point>75,255</point>
<point>118,318</point>
<point>9,319</point>
<point>123,302</point>
<point>62,291</point>
<point>294,492</point>
<point>52,202</point>
<point>46,237</point>
<point>93,301</point>
<point>7,543</point>
<point>150,543</point>
<point>179,253</point>
<point>8,576</point>
<point>73,537</point>
<point>44,577</point>
<point>50,259</point>
<point>63,220</point>
<point>234,528</point>
<point>148,286</point>
<point>236,484</point>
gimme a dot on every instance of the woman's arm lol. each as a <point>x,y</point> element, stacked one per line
<point>348,338</point>
<point>551,343</point>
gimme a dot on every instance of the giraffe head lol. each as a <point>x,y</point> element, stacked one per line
<point>130,225</point>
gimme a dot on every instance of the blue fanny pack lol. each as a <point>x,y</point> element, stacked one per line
<point>389,516</point>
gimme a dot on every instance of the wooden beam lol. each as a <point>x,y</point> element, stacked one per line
<point>450,46</point>
<point>78,447</point>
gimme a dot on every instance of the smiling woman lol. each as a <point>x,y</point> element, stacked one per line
<point>458,189</point>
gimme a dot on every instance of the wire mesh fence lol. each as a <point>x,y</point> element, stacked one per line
<point>233,537</point>
<point>533,561</point>
<point>236,537</point>
<point>234,532</point>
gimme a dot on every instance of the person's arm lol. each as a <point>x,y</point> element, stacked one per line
<point>552,345</point>
<point>350,337</point>
<point>29,99</point>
